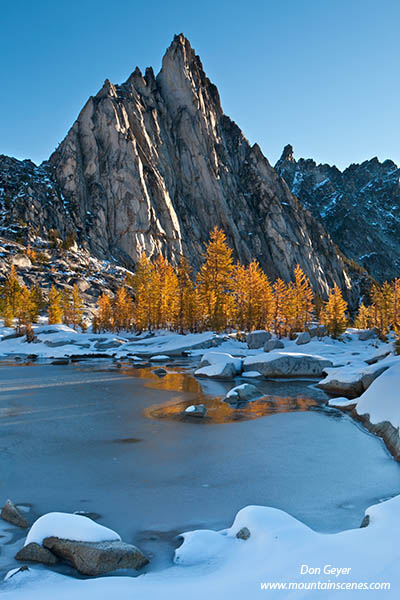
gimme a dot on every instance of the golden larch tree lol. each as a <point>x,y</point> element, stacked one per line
<point>333,314</point>
<point>215,282</point>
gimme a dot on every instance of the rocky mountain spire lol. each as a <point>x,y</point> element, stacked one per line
<point>153,165</point>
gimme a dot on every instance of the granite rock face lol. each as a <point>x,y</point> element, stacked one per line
<point>359,207</point>
<point>154,164</point>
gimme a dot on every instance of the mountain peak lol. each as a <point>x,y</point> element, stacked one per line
<point>287,153</point>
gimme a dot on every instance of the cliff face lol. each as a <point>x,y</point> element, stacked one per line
<point>154,164</point>
<point>359,207</point>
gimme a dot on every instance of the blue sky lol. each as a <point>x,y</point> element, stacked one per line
<point>321,75</point>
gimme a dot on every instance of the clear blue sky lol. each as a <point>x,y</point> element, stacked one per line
<point>322,75</point>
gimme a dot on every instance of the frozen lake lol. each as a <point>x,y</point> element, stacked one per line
<point>77,437</point>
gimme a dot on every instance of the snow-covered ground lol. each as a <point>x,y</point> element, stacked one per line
<point>216,564</point>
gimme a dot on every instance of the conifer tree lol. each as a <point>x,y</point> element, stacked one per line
<point>122,310</point>
<point>23,309</point>
<point>186,312</point>
<point>103,320</point>
<point>303,300</point>
<point>66,306</point>
<point>10,297</point>
<point>76,307</point>
<point>333,314</point>
<point>253,297</point>
<point>382,298</point>
<point>163,293</point>
<point>55,309</point>
<point>364,317</point>
<point>142,288</point>
<point>215,282</point>
<point>281,300</point>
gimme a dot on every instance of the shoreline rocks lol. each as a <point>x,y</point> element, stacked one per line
<point>287,365</point>
<point>97,558</point>
<point>11,513</point>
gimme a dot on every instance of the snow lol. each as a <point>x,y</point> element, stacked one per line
<point>341,402</point>
<point>190,409</point>
<point>70,527</point>
<point>217,565</point>
<point>159,358</point>
<point>381,401</point>
<point>251,374</point>
<point>214,364</point>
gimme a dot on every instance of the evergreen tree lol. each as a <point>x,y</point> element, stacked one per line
<point>103,320</point>
<point>303,300</point>
<point>122,310</point>
<point>280,313</point>
<point>253,297</point>
<point>364,317</point>
<point>383,304</point>
<point>215,282</point>
<point>76,307</point>
<point>143,299</point>
<point>333,314</point>
<point>55,308</point>
<point>186,312</point>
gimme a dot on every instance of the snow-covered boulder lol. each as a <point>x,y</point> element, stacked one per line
<point>352,380</point>
<point>303,338</point>
<point>242,393</point>
<point>220,365</point>
<point>257,339</point>
<point>273,345</point>
<point>287,364</point>
<point>97,558</point>
<point>70,527</point>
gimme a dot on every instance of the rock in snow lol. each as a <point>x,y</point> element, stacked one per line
<point>12,514</point>
<point>219,365</point>
<point>287,364</point>
<point>303,338</point>
<point>36,553</point>
<point>257,339</point>
<point>273,345</point>
<point>97,558</point>
<point>242,393</point>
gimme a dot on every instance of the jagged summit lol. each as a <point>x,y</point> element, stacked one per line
<point>359,206</point>
<point>287,153</point>
<point>153,164</point>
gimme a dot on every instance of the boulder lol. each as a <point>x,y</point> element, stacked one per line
<point>273,345</point>
<point>108,345</point>
<point>196,410</point>
<point>14,515</point>
<point>22,261</point>
<point>160,372</point>
<point>257,339</point>
<point>367,334</point>
<point>97,558</point>
<point>219,365</point>
<point>303,338</point>
<point>242,393</point>
<point>351,382</point>
<point>287,364</point>
<point>36,553</point>
<point>60,361</point>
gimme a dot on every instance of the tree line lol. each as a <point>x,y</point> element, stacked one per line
<point>224,295</point>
